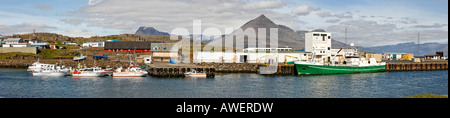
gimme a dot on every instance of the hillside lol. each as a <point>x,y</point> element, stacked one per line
<point>426,48</point>
<point>123,37</point>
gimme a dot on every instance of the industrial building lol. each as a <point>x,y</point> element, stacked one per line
<point>93,44</point>
<point>318,43</point>
<point>249,56</point>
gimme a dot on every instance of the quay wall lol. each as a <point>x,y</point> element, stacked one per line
<point>32,50</point>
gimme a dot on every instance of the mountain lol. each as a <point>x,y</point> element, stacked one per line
<point>1,36</point>
<point>147,31</point>
<point>286,36</point>
<point>426,48</point>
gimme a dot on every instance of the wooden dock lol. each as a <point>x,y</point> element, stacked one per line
<point>178,71</point>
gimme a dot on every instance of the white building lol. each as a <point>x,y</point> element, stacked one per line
<point>93,44</point>
<point>247,57</point>
<point>266,49</point>
<point>318,43</point>
<point>15,42</point>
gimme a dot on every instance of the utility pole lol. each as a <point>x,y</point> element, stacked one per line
<point>346,36</point>
<point>418,43</point>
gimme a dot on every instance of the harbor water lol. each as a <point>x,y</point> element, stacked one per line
<point>18,83</point>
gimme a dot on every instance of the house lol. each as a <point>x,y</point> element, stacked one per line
<point>266,49</point>
<point>40,45</point>
<point>15,42</point>
<point>54,47</point>
<point>436,56</point>
<point>392,55</point>
<point>93,44</point>
<point>161,46</point>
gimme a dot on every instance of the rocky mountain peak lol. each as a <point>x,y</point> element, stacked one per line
<point>147,31</point>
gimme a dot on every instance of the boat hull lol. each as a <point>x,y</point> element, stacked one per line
<point>306,69</point>
<point>89,74</point>
<point>130,74</point>
<point>195,75</point>
<point>49,74</point>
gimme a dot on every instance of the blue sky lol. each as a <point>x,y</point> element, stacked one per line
<point>369,22</point>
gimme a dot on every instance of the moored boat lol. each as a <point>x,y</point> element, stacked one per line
<point>352,64</point>
<point>194,73</point>
<point>80,58</point>
<point>90,72</point>
<point>131,71</point>
<point>49,71</point>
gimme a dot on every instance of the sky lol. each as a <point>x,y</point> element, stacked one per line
<point>368,22</point>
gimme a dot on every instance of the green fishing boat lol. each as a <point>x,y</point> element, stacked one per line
<point>308,68</point>
<point>353,64</point>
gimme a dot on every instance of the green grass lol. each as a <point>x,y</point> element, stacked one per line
<point>10,54</point>
<point>427,96</point>
<point>55,54</point>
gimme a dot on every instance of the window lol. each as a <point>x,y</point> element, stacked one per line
<point>329,37</point>
<point>323,35</point>
<point>316,35</point>
<point>329,48</point>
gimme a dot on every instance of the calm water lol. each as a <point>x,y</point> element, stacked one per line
<point>19,83</point>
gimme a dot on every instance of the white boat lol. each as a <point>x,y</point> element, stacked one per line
<point>131,71</point>
<point>194,73</point>
<point>50,71</point>
<point>90,72</point>
<point>36,66</point>
<point>80,58</point>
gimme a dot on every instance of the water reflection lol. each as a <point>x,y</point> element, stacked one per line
<point>19,83</point>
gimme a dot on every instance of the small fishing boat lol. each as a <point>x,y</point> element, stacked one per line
<point>194,73</point>
<point>36,66</point>
<point>80,58</point>
<point>90,72</point>
<point>49,71</point>
<point>131,71</point>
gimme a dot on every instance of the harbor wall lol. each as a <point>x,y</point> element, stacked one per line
<point>32,50</point>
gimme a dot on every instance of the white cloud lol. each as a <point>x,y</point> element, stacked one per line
<point>166,15</point>
<point>94,2</point>
<point>43,7</point>
<point>76,33</point>
<point>24,28</point>
<point>304,10</point>
<point>372,33</point>
<point>264,5</point>
<point>338,15</point>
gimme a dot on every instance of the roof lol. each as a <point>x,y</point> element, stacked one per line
<point>93,42</point>
<point>13,39</point>
<point>142,45</point>
<point>428,55</point>
<point>110,40</point>
<point>393,53</point>
<point>39,44</point>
